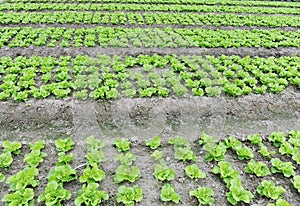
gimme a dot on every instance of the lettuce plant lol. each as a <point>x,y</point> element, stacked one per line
<point>54,194</point>
<point>62,173</point>
<point>163,173</point>
<point>244,153</point>
<point>260,169</point>
<point>268,189</point>
<point>95,156</point>
<point>153,143</point>
<point>125,159</point>
<point>296,182</point>
<point>20,197</point>
<point>255,139</point>
<point>194,172</point>
<point>5,159</point>
<point>122,145</point>
<point>64,145</point>
<point>277,138</point>
<point>129,195</point>
<point>216,152</point>
<point>64,159</point>
<point>204,195</point>
<point>263,150</point>
<point>92,174</point>
<point>13,147</point>
<point>286,168</point>
<point>287,148</point>
<point>37,145</point>
<point>168,194</point>
<point>237,193</point>
<point>2,177</point>
<point>157,155</point>
<point>90,195</point>
<point>24,178</point>
<point>94,144</point>
<point>126,173</point>
<point>279,202</point>
<point>226,172</point>
<point>34,158</point>
<point>294,138</point>
<point>182,149</point>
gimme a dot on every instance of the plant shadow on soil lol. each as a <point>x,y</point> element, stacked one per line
<point>142,119</point>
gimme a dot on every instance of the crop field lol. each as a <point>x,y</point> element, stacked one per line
<point>149,102</point>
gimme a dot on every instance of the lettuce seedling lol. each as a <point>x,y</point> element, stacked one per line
<point>34,158</point>
<point>64,159</point>
<point>95,156</point>
<point>168,194</point>
<point>179,142</point>
<point>24,178</point>
<point>185,154</point>
<point>244,153</point>
<point>94,144</point>
<point>215,152</point>
<point>227,173</point>
<point>62,173</point>
<point>37,145</point>
<point>92,174</point>
<point>125,159</point>
<point>286,168</point>
<point>279,202</point>
<point>296,157</point>
<point>20,197</point>
<point>294,138</point>
<point>129,195</point>
<point>296,182</point>
<point>265,153</point>
<point>126,173</point>
<point>90,195</point>
<point>206,139</point>
<point>153,143</point>
<point>5,159</point>
<point>163,173</point>
<point>122,145</point>
<point>12,147</point>
<point>204,195</point>
<point>64,145</point>
<point>237,193</point>
<point>194,172</point>
<point>287,148</point>
<point>255,139</point>
<point>260,169</point>
<point>268,189</point>
<point>157,155</point>
<point>54,194</point>
<point>233,143</point>
<point>2,177</point>
<point>277,138</point>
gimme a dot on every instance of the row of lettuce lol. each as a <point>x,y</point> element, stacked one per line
<point>135,18</point>
<point>23,183</point>
<point>193,2</point>
<point>111,77</point>
<point>149,7</point>
<point>146,37</point>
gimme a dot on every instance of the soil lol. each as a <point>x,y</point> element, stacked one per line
<point>142,119</point>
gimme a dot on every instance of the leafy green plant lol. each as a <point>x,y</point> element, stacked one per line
<point>90,195</point>
<point>64,145</point>
<point>153,143</point>
<point>24,178</point>
<point>125,159</point>
<point>277,138</point>
<point>296,182</point>
<point>255,139</point>
<point>37,145</point>
<point>237,193</point>
<point>215,152</point>
<point>64,159</point>
<point>286,168</point>
<point>157,155</point>
<point>194,172</point>
<point>20,197</point>
<point>287,148</point>
<point>260,169</point>
<point>163,173</point>
<point>34,158</point>
<point>94,144</point>
<point>2,177</point>
<point>122,145</point>
<point>294,138</point>
<point>95,156</point>
<point>129,195</point>
<point>268,189</point>
<point>13,147</point>
<point>126,173</point>
<point>168,194</point>
<point>204,195</point>
<point>263,150</point>
<point>279,202</point>
<point>226,172</point>
<point>54,194</point>
<point>5,159</point>
<point>244,153</point>
<point>92,174</point>
<point>182,149</point>
<point>62,173</point>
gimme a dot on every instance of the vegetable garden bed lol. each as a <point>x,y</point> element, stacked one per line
<point>149,102</point>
